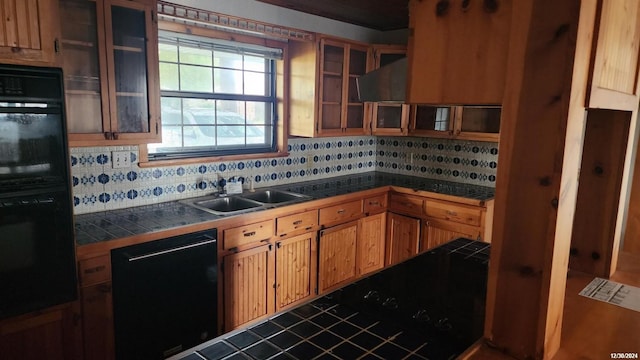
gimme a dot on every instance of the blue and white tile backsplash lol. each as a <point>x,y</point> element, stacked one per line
<point>99,187</point>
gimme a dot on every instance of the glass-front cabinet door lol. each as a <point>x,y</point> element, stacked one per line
<point>428,120</point>
<point>340,110</point>
<point>355,112</point>
<point>110,58</point>
<point>389,118</point>
<point>478,122</point>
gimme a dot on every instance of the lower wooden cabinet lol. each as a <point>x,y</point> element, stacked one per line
<point>97,321</point>
<point>295,269</point>
<point>436,233</point>
<point>371,243</point>
<point>337,255</point>
<point>50,334</point>
<point>248,285</point>
<point>403,236</point>
<point>268,278</point>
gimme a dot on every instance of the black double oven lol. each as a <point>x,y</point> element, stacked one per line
<point>37,256</point>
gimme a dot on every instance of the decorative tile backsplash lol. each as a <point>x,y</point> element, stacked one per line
<point>97,186</point>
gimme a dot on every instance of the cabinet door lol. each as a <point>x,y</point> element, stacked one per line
<point>332,69</point>
<point>85,70</point>
<point>355,115</point>
<point>436,233</point>
<point>371,241</point>
<point>616,63</point>
<point>248,286</point>
<point>337,255</point>
<point>478,122</point>
<point>435,121</point>
<point>29,32</point>
<point>388,118</point>
<point>403,238</point>
<point>45,334</point>
<point>295,269</point>
<point>132,49</point>
<point>458,51</point>
<point>97,321</point>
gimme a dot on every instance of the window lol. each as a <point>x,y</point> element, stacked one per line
<point>217,97</point>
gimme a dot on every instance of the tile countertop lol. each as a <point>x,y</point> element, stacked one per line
<point>109,225</point>
<point>428,307</point>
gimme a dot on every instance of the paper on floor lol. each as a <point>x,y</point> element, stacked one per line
<point>613,293</point>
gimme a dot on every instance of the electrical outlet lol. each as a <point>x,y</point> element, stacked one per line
<point>411,159</point>
<point>120,159</point>
<point>309,162</point>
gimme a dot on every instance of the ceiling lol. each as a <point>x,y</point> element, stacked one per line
<point>375,14</point>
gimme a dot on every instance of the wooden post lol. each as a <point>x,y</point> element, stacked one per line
<point>541,140</point>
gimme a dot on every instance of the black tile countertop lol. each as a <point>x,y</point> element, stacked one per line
<point>429,307</point>
<point>110,225</point>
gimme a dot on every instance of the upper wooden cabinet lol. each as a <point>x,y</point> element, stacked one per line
<point>458,51</point>
<point>480,123</point>
<point>29,32</point>
<point>616,45</point>
<point>110,55</point>
<point>324,97</point>
<point>388,118</point>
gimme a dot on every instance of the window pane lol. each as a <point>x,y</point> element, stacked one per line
<point>254,84</point>
<point>256,135</point>
<point>169,77</point>
<point>168,52</point>
<point>171,113</point>
<point>189,55</point>
<point>230,112</point>
<point>195,78</point>
<point>231,135</point>
<point>258,113</point>
<point>254,63</point>
<point>227,60</point>
<point>228,81</point>
<point>171,135</point>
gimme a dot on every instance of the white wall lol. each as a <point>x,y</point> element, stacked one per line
<point>259,11</point>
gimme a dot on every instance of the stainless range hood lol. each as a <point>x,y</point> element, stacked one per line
<point>386,84</point>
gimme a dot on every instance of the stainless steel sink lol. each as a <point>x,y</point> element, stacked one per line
<point>275,197</point>
<point>242,203</point>
<point>223,205</point>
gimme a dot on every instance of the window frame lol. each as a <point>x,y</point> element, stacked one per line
<point>281,75</point>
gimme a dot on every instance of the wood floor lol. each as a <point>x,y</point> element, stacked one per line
<point>592,329</point>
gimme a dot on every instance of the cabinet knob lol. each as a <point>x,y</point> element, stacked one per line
<point>491,6</point>
<point>107,135</point>
<point>114,135</point>
<point>442,7</point>
<point>465,5</point>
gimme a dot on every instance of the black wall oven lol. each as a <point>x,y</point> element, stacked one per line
<point>37,261</point>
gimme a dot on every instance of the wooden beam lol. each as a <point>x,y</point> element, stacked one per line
<point>540,151</point>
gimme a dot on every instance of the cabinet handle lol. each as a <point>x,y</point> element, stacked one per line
<point>297,222</point>
<point>490,6</point>
<point>104,288</point>
<point>309,228</point>
<point>341,211</point>
<point>407,204</point>
<point>94,269</point>
<point>442,7</point>
<point>465,5</point>
<point>374,203</point>
<point>250,234</point>
<point>452,213</point>
<point>278,244</point>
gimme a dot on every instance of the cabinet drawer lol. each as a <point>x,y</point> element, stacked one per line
<point>95,270</point>
<point>296,222</point>
<point>342,212</point>
<point>406,204</point>
<point>375,204</point>
<point>247,234</point>
<point>453,212</point>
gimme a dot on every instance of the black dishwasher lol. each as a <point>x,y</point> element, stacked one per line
<point>165,295</point>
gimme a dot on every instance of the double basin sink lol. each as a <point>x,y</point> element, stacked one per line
<point>241,203</point>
